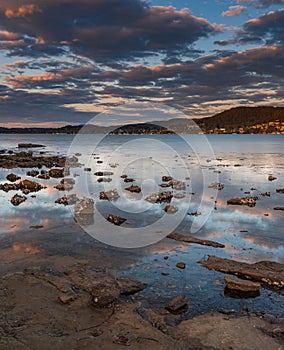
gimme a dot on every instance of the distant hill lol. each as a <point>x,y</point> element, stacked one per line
<point>236,120</point>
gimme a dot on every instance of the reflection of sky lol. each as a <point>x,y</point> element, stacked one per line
<point>152,157</point>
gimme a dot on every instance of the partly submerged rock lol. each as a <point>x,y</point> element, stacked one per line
<point>238,284</point>
<point>13,177</point>
<point>166,178</point>
<point>103,173</point>
<point>177,305</point>
<point>116,220</point>
<point>33,173</point>
<point>280,190</point>
<point>134,188</point>
<point>267,272</point>
<point>216,186</point>
<point>18,199</point>
<point>170,209</point>
<point>56,173</point>
<point>104,179</point>
<point>160,197</point>
<point>279,208</point>
<point>271,178</point>
<point>190,239</point>
<point>181,265</point>
<point>31,186</point>
<point>30,145</point>
<point>249,201</point>
<point>111,195</point>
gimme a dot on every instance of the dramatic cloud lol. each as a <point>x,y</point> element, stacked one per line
<point>102,29</point>
<point>234,11</point>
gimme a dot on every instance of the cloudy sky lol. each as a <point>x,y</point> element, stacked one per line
<point>63,61</point>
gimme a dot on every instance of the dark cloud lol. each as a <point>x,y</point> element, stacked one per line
<point>101,29</point>
<point>268,29</point>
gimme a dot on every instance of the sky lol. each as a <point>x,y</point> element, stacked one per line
<point>64,61</point>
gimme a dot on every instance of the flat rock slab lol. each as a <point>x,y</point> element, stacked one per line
<point>234,283</point>
<point>189,239</point>
<point>267,272</point>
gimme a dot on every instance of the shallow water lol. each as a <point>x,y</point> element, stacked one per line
<point>241,162</point>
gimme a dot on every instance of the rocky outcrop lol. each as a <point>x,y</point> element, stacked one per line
<point>266,272</point>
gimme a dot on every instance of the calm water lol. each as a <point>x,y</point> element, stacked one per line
<point>242,163</point>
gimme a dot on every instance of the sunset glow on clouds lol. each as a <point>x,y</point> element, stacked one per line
<point>56,55</point>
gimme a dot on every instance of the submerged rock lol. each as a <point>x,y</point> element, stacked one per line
<point>216,186</point>
<point>178,185</point>
<point>17,199</point>
<point>249,201</point>
<point>13,177</point>
<point>84,211</point>
<point>177,305</point>
<point>170,209</point>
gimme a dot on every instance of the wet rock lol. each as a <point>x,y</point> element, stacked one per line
<point>177,305</point>
<point>6,187</point>
<point>160,197</point>
<point>105,291</point>
<point>190,239</point>
<point>271,178</point>
<point>170,209</point>
<point>12,177</point>
<point>130,287</point>
<point>111,195</point>
<point>31,186</point>
<point>56,173</point>
<point>84,211</point>
<point>134,188</point>
<point>265,194</point>
<point>104,179</point>
<point>44,175</point>
<point>116,220</point>
<point>180,265</point>
<point>216,186</point>
<point>127,179</point>
<point>279,208</point>
<point>165,185</point>
<point>280,190</point>
<point>103,173</point>
<point>194,213</point>
<point>67,200</point>
<point>167,178</point>
<point>17,199</point>
<point>66,299</point>
<point>178,185</point>
<point>33,173</point>
<point>240,285</point>
<point>249,201</point>
<point>30,145</point>
<point>267,272</point>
